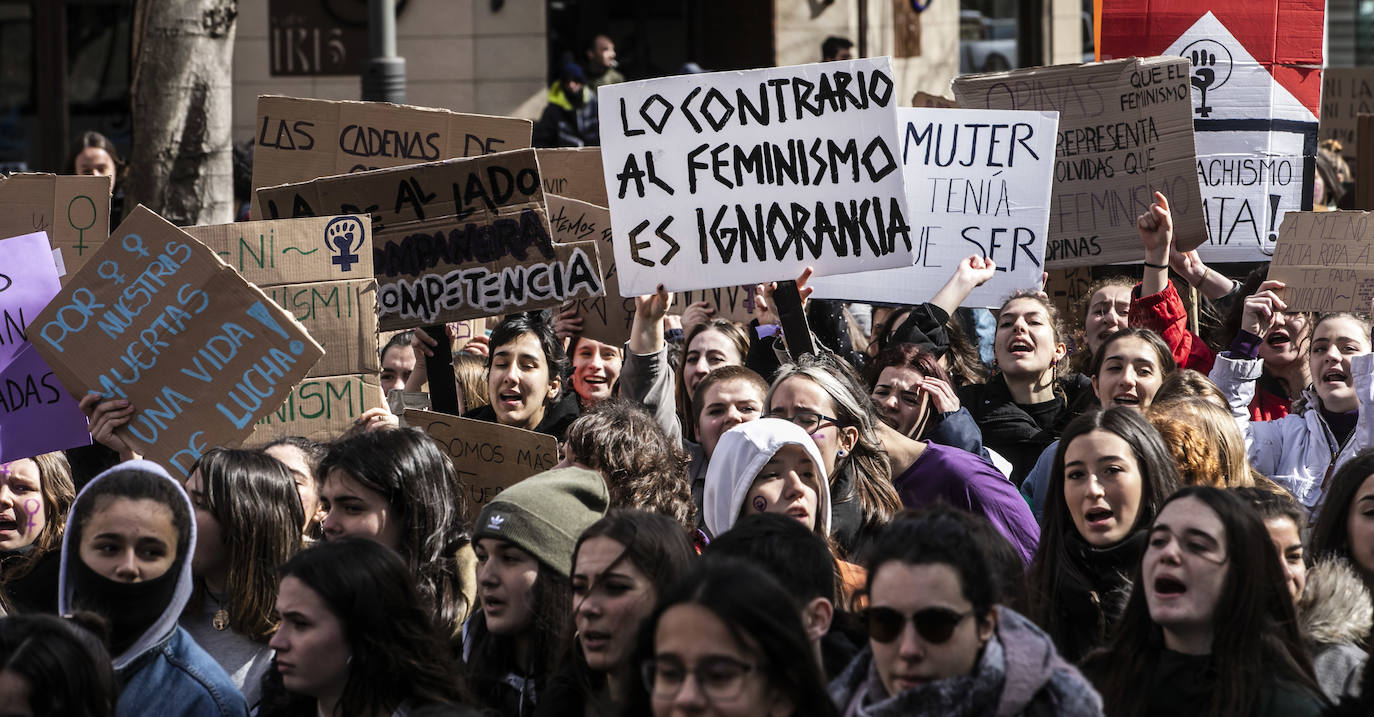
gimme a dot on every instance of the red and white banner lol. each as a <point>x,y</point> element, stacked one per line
<point>1256,77</point>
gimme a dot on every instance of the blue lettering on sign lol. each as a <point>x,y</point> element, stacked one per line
<point>343,237</point>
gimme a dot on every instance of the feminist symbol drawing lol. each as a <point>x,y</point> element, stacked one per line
<point>1211,63</point>
<point>343,237</point>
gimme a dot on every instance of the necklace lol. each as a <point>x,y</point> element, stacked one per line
<point>221,619</point>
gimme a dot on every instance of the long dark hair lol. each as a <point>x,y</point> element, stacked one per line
<point>417,479</point>
<point>910,356</point>
<point>67,668</point>
<point>398,655</point>
<point>56,492</point>
<point>491,657</point>
<point>254,499</point>
<point>1255,634</point>
<point>763,619</point>
<point>657,546</point>
<point>1054,565</point>
<point>1331,534</point>
<point>686,409</point>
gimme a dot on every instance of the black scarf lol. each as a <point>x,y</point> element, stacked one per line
<point>131,608</point>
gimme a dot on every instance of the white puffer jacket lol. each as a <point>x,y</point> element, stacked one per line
<point>1297,451</point>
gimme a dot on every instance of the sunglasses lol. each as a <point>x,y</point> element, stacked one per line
<point>935,625</point>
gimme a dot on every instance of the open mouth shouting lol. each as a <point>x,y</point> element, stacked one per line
<point>1336,376</point>
<point>1020,347</point>
<point>1099,518</point>
<point>1168,587</point>
<point>10,524</point>
<point>1128,398</point>
<point>1279,338</point>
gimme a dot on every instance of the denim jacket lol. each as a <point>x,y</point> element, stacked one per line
<point>164,672</point>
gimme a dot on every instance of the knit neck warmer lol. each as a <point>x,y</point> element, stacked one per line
<point>976,693</point>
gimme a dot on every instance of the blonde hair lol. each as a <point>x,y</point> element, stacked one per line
<point>1204,441</point>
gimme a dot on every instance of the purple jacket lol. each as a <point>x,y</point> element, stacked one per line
<point>967,482</point>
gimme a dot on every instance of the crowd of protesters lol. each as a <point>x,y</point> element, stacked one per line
<point>1119,514</point>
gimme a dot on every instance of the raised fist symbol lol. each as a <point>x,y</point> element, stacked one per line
<point>1203,76</point>
<point>344,236</point>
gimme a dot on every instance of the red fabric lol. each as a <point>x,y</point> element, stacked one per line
<point>1285,36</point>
<point>1268,406</point>
<point>1165,314</point>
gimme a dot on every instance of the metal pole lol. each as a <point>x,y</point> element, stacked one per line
<point>384,74</point>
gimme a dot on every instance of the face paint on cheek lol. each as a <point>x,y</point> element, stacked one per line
<point>32,506</point>
<point>760,504</point>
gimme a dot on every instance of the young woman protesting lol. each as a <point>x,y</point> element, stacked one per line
<point>595,370</point>
<point>525,377</point>
<point>915,397</point>
<point>1025,406</point>
<point>53,667</point>
<point>1105,311</point>
<point>939,645</point>
<point>355,638</point>
<point>1345,524</point>
<point>822,396</point>
<point>621,565</point>
<point>647,376</point>
<point>727,397</point>
<point>524,539</point>
<point>1209,627</point>
<point>1299,451</point>
<point>35,495</point>
<point>1332,602</point>
<point>302,457</point>
<point>1128,370</point>
<point>127,556</point>
<point>726,640</point>
<point>398,488</point>
<point>767,466</point>
<point>1284,374</point>
<point>247,525</point>
<point>642,467</point>
<point>1112,472</point>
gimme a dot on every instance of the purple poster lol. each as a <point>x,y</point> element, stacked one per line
<point>37,414</point>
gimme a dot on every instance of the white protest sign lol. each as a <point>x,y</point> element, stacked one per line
<point>979,183</point>
<point>733,178</point>
<point>1256,145</point>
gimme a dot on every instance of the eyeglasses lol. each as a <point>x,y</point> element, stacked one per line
<point>810,421</point>
<point>934,624</point>
<point>719,678</point>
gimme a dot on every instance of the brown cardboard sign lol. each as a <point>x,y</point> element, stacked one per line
<point>320,408</point>
<point>574,172</point>
<point>457,239</point>
<point>1347,92</point>
<point>925,99</point>
<point>1125,132</point>
<point>73,210</point>
<point>1326,259</point>
<point>157,319</point>
<point>320,270</point>
<point>489,457</point>
<point>301,139</point>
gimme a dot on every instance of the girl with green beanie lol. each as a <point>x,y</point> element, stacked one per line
<point>524,540</point>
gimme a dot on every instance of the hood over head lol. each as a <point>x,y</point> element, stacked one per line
<point>166,622</point>
<point>740,455</point>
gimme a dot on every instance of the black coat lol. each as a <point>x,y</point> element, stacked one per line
<point>1012,432</point>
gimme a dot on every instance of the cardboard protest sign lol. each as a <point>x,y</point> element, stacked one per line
<point>1125,132</point>
<point>301,139</point>
<point>925,99</point>
<point>157,319</point>
<point>1347,92</point>
<point>320,270</point>
<point>457,239</point>
<point>36,414</point>
<point>1255,70</point>
<point>320,408</point>
<point>979,182</point>
<point>1327,261</point>
<point>74,211</point>
<point>732,178</point>
<point>573,172</point>
<point>1068,288</point>
<point>489,456</point>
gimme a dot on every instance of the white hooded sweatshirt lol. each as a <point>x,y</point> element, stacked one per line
<point>741,453</point>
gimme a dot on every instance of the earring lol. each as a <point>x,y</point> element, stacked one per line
<point>841,453</point>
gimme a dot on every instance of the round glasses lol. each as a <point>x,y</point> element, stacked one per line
<point>718,678</point>
<point>810,421</point>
